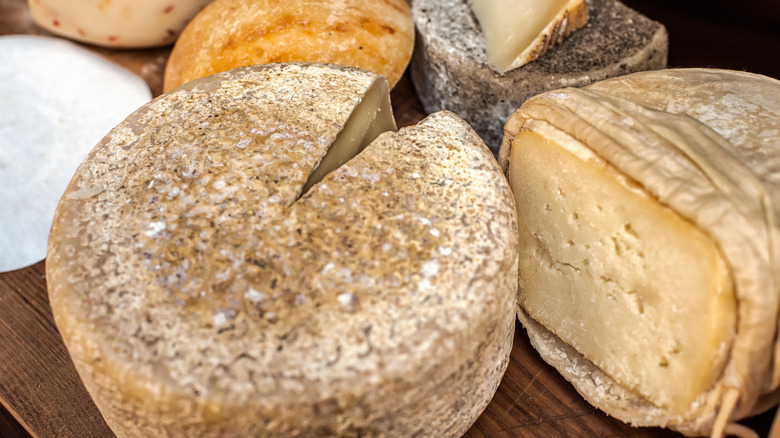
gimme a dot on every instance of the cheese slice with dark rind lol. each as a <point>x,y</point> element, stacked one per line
<point>450,71</point>
<point>199,295</point>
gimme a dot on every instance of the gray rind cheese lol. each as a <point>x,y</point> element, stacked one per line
<point>449,68</point>
<point>704,144</point>
<point>200,293</point>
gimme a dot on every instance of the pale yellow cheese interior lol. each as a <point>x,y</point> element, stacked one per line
<point>373,116</point>
<point>511,26</point>
<point>635,288</point>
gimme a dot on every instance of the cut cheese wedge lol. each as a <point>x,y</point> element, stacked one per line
<point>638,290</point>
<point>201,295</point>
<point>450,69</point>
<point>648,207</point>
<point>519,31</point>
<point>372,117</point>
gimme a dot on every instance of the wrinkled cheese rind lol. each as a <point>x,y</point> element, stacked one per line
<point>117,23</point>
<point>518,32</point>
<point>199,296</point>
<point>704,177</point>
<point>449,67</point>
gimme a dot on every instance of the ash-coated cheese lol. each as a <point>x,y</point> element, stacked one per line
<point>116,23</point>
<point>450,71</point>
<point>519,31</point>
<point>672,176</point>
<point>202,292</point>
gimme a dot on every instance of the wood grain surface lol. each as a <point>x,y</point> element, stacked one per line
<point>42,396</point>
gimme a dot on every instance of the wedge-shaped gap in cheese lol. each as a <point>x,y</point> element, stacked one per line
<point>635,288</point>
<point>519,31</point>
<point>372,116</point>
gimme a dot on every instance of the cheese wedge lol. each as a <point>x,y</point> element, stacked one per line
<point>450,68</point>
<point>202,292</point>
<point>648,205</point>
<point>638,290</point>
<point>519,31</point>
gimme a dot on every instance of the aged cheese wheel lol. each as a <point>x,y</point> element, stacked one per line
<point>647,206</point>
<point>450,71</point>
<point>117,23</point>
<point>377,36</point>
<point>201,291</point>
<point>58,101</point>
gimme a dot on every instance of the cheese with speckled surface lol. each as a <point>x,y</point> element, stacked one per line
<point>199,295</point>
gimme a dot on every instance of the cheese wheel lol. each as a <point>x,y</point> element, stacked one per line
<point>59,100</point>
<point>117,23</point>
<point>667,250</point>
<point>201,291</point>
<point>450,69</point>
<point>377,36</point>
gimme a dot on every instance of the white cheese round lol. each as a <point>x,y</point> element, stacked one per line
<point>117,23</point>
<point>59,100</point>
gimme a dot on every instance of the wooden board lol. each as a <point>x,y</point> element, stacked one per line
<point>42,396</point>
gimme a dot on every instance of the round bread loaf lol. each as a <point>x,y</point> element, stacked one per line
<point>702,144</point>
<point>202,293</point>
<point>377,36</point>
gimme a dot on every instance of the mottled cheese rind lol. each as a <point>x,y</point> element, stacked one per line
<point>377,36</point>
<point>450,71</point>
<point>704,143</point>
<point>117,23</point>
<point>603,256</point>
<point>199,296</point>
<point>517,32</point>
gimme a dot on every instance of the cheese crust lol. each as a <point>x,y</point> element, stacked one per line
<point>377,36</point>
<point>703,143</point>
<point>200,293</point>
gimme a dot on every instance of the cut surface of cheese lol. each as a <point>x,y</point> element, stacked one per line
<point>58,101</point>
<point>703,143</point>
<point>372,117</point>
<point>200,295</point>
<point>116,23</point>
<point>450,69</point>
<point>635,288</point>
<point>519,31</point>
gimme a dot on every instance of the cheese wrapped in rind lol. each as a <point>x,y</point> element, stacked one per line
<point>202,292</point>
<point>703,144</point>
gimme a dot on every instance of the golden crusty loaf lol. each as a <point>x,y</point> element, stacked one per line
<point>703,145</point>
<point>377,36</point>
<point>201,293</point>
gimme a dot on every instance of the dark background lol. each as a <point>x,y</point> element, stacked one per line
<point>734,34</point>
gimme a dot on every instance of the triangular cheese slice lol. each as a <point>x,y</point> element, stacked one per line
<point>519,31</point>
